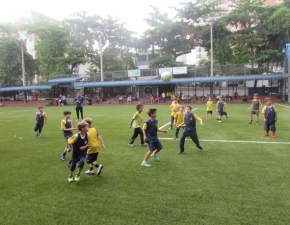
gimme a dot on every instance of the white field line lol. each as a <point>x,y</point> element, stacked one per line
<point>233,141</point>
<point>170,122</point>
<point>283,105</point>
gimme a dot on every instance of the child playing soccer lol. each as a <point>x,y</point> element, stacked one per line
<point>40,120</point>
<point>209,105</point>
<point>79,144</point>
<point>178,120</point>
<point>174,109</point>
<point>137,120</point>
<point>94,148</point>
<point>256,103</point>
<point>220,108</point>
<point>150,130</point>
<point>225,110</point>
<point>67,128</point>
<point>270,118</point>
<point>189,129</point>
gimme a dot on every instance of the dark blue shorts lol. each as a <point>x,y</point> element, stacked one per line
<point>154,144</point>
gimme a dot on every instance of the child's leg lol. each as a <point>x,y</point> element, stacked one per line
<point>177,132</point>
<point>82,114</point>
<point>135,134</point>
<point>148,154</point>
<point>140,132</point>
<point>78,114</point>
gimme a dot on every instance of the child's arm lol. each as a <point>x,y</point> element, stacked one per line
<point>130,125</point>
<point>45,118</point>
<point>101,140</point>
<point>196,117</point>
<point>144,132</point>
<point>163,131</point>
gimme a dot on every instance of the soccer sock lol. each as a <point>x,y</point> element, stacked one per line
<point>64,153</point>
<point>97,165</point>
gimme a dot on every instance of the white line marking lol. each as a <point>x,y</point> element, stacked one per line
<point>170,122</point>
<point>283,105</point>
<point>235,141</point>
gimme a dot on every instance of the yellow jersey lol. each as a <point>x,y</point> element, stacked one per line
<point>209,105</point>
<point>174,108</point>
<point>179,118</point>
<point>94,143</point>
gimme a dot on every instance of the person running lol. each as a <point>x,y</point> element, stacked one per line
<point>79,144</point>
<point>67,129</point>
<point>79,100</point>
<point>95,145</point>
<point>136,121</point>
<point>150,130</point>
<point>40,120</point>
<point>189,129</point>
<point>255,107</point>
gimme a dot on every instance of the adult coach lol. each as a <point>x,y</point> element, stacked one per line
<point>79,100</point>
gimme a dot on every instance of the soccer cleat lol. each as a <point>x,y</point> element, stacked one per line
<point>77,177</point>
<point>156,157</point>
<point>250,122</point>
<point>266,135</point>
<point>99,169</point>
<point>170,128</point>
<point>70,179</point>
<point>200,148</point>
<point>131,145</point>
<point>36,134</point>
<point>220,121</point>
<point>144,144</point>
<point>145,164</point>
<point>39,135</point>
<point>62,157</point>
<point>257,123</point>
<point>90,172</point>
<point>175,138</point>
<point>180,152</point>
<point>273,135</point>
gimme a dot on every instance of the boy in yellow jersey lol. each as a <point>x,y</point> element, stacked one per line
<point>95,144</point>
<point>174,107</point>
<point>256,103</point>
<point>178,120</point>
<point>137,120</point>
<point>225,110</point>
<point>79,144</point>
<point>209,105</point>
<point>67,129</point>
<point>189,129</point>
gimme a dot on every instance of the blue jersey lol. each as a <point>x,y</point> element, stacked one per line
<point>151,129</point>
<point>67,124</point>
<point>220,106</point>
<point>40,118</point>
<point>270,113</point>
<point>79,101</point>
<point>190,122</point>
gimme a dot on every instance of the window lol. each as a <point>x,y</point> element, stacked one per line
<point>142,58</point>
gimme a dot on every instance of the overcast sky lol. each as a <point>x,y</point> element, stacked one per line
<point>131,12</point>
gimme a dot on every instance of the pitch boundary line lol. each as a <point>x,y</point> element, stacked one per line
<point>235,141</point>
<point>170,122</point>
<point>283,105</point>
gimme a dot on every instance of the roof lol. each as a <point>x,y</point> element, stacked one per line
<point>65,80</point>
<point>26,88</point>
<point>181,80</point>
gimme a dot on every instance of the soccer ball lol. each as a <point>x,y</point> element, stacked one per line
<point>166,76</point>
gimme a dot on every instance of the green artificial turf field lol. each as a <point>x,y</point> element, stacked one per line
<point>240,177</point>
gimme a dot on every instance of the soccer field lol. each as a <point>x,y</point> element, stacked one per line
<point>240,177</point>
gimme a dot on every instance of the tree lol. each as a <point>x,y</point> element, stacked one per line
<point>11,59</point>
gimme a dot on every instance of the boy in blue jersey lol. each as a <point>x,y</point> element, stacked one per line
<point>270,118</point>
<point>79,143</point>
<point>256,103</point>
<point>40,120</point>
<point>189,129</point>
<point>150,130</point>
<point>220,108</point>
<point>67,128</point>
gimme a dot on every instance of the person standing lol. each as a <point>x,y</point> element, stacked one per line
<point>40,120</point>
<point>270,118</point>
<point>178,120</point>
<point>209,105</point>
<point>256,103</point>
<point>189,129</point>
<point>79,100</point>
<point>163,97</point>
<point>220,108</point>
<point>174,107</point>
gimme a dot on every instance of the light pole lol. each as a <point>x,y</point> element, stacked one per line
<point>211,59</point>
<point>22,44</point>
